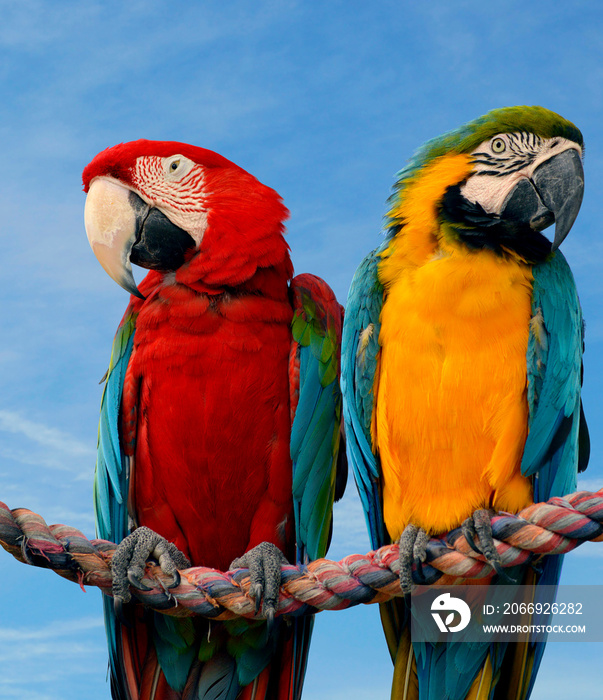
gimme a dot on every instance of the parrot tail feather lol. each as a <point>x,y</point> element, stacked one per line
<point>153,685</point>
<point>258,689</point>
<point>481,688</point>
<point>522,659</point>
<point>405,684</point>
<point>283,677</point>
<point>517,672</point>
<point>463,671</point>
<point>215,679</point>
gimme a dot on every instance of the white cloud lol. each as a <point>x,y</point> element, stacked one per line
<point>84,521</point>
<point>590,484</point>
<point>37,660</point>
<point>37,458</point>
<point>14,422</point>
<point>52,631</point>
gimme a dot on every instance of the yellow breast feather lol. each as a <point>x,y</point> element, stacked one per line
<point>451,414</point>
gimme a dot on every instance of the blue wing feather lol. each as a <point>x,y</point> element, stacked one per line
<point>554,362</point>
<point>315,434</point>
<point>111,476</point>
<point>315,426</point>
<point>551,450</point>
<point>360,349</point>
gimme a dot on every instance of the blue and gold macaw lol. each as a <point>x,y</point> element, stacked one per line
<point>462,368</point>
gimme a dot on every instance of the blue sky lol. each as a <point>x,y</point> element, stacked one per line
<point>324,101</point>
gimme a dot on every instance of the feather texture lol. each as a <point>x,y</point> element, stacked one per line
<point>360,356</point>
<point>461,381</point>
<point>220,423</point>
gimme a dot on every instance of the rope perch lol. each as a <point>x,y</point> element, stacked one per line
<point>554,527</point>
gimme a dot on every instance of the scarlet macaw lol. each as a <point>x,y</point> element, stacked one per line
<point>220,416</point>
<point>461,368</point>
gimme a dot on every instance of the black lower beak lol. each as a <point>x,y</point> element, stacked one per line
<point>160,244</point>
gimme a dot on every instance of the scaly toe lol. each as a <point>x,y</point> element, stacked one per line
<point>129,563</point>
<point>264,563</point>
<point>407,542</point>
<point>468,529</point>
<point>419,552</point>
<point>482,527</point>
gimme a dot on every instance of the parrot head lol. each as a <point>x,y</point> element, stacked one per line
<point>170,206</point>
<point>497,182</point>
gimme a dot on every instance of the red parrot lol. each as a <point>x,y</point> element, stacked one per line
<point>220,418</point>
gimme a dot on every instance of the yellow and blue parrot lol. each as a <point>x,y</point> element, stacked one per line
<point>462,370</point>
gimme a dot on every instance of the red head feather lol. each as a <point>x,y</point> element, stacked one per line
<point>244,218</point>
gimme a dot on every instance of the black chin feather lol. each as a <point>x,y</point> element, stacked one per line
<point>479,230</point>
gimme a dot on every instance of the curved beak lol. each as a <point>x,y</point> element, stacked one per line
<point>553,193</point>
<point>111,226</point>
<point>560,184</point>
<point>123,229</point>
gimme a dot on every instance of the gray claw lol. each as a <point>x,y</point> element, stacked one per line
<point>264,563</point>
<point>468,529</point>
<point>479,526</point>
<point>135,579</point>
<point>419,549</point>
<point>177,579</point>
<point>130,559</point>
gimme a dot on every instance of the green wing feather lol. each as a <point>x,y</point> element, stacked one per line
<point>316,411</point>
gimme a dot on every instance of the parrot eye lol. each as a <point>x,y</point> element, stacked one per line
<point>498,145</point>
<point>177,167</point>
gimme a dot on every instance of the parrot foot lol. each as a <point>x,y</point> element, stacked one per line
<point>130,559</point>
<point>413,550</point>
<point>479,526</point>
<point>264,563</point>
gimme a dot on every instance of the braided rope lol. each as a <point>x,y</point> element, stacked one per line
<point>554,527</point>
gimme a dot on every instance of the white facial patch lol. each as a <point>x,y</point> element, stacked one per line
<point>175,185</point>
<point>490,192</point>
<point>505,159</point>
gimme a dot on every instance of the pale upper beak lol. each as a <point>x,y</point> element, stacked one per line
<point>111,227</point>
<point>123,229</point>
